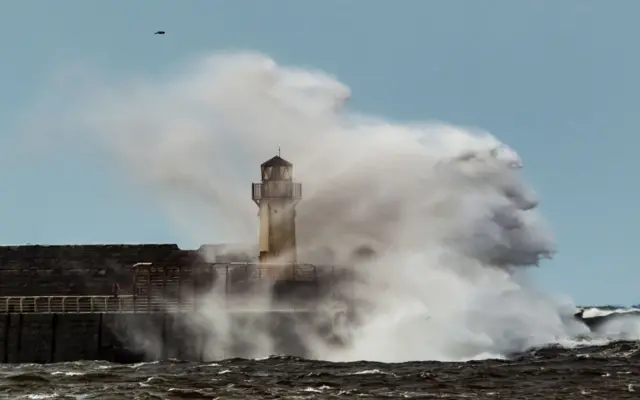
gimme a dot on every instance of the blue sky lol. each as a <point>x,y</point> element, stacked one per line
<point>555,80</point>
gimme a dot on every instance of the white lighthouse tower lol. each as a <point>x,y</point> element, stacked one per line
<point>277,196</point>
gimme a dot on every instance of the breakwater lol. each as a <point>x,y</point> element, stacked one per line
<point>35,270</point>
<point>64,328</point>
<point>57,303</point>
<point>54,300</point>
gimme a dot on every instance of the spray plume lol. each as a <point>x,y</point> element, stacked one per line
<point>444,209</point>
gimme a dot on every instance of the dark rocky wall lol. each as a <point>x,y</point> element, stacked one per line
<point>79,270</point>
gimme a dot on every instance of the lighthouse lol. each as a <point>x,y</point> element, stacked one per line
<point>277,196</point>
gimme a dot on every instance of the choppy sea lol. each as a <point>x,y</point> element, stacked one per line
<point>607,371</point>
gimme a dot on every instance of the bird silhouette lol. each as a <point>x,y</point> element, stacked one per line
<point>159,33</point>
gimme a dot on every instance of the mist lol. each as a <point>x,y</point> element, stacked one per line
<point>452,223</point>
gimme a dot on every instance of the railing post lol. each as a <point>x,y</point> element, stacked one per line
<point>194,276</point>
<point>179,287</point>
<point>135,278</point>
<point>149,288</point>
<point>164,282</point>
<point>58,304</point>
<point>226,283</point>
<point>333,281</point>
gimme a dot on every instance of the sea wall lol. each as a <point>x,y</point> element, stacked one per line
<point>79,270</point>
<point>125,338</point>
<point>43,338</point>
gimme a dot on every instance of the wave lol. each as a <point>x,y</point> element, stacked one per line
<point>611,323</point>
<point>452,223</point>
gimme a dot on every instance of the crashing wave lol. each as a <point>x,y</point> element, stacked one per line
<point>452,223</point>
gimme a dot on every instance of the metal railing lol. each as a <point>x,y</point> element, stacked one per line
<point>87,304</point>
<point>109,304</point>
<point>265,271</point>
<point>160,276</point>
<point>276,190</point>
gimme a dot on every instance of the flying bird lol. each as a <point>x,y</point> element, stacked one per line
<point>159,33</point>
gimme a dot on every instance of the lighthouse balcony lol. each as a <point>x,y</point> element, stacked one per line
<point>276,190</point>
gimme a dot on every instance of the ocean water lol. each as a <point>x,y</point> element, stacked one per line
<point>596,372</point>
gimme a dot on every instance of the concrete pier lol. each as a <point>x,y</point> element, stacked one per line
<point>148,320</point>
<point>155,319</point>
